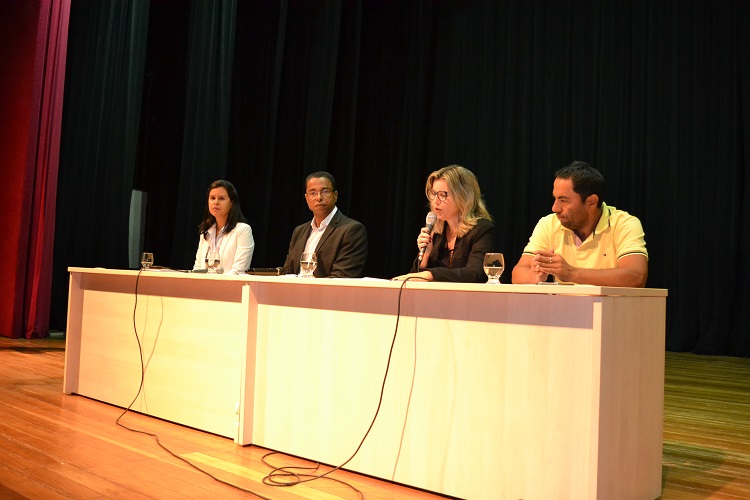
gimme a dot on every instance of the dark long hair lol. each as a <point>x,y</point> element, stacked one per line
<point>235,214</point>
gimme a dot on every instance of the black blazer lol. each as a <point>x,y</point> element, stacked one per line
<point>468,255</point>
<point>341,251</point>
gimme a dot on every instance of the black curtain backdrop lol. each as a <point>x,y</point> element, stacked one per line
<point>101,113</point>
<point>654,94</point>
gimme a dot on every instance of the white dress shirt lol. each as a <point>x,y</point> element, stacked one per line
<point>235,248</point>
<point>317,232</point>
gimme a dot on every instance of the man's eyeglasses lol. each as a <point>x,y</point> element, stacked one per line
<point>324,193</point>
<point>441,195</point>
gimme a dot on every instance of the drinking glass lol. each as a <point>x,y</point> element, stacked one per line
<point>212,261</point>
<point>147,260</point>
<point>307,264</point>
<point>494,264</point>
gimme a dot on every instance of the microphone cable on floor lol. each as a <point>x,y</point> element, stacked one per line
<point>292,478</point>
<point>156,437</point>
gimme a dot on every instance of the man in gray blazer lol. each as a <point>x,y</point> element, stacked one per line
<point>339,243</point>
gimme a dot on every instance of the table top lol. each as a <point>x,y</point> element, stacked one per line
<point>546,288</point>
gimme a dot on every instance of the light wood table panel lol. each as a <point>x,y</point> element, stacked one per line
<point>192,332</point>
<point>508,391</point>
<point>493,392</point>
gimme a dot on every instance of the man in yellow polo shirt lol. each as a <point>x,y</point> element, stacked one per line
<point>584,240</point>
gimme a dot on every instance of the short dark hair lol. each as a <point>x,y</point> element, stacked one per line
<point>323,174</point>
<point>235,214</point>
<point>586,180</point>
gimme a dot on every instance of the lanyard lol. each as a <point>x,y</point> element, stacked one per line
<point>214,244</point>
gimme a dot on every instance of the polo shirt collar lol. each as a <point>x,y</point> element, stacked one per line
<point>601,226</point>
<point>603,223</point>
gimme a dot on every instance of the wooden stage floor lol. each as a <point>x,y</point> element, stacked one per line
<point>58,446</point>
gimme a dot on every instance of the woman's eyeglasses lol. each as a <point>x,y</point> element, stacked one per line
<point>441,195</point>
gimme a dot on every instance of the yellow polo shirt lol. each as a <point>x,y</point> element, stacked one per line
<point>616,235</point>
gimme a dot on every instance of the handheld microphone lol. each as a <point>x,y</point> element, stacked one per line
<point>429,223</point>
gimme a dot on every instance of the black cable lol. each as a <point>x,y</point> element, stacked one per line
<point>156,438</point>
<point>282,471</point>
<point>287,471</point>
<point>276,472</point>
<point>140,350</point>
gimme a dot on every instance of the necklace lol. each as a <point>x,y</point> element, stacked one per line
<point>450,244</point>
<point>450,238</point>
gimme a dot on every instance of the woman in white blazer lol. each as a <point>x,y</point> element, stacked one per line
<point>225,231</point>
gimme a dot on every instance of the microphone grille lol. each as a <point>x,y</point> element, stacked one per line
<point>431,218</point>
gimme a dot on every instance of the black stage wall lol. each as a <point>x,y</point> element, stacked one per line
<point>167,96</point>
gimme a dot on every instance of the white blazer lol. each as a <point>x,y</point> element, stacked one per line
<point>235,251</point>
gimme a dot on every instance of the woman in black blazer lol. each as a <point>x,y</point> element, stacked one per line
<point>463,233</point>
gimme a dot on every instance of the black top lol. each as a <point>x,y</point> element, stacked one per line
<point>466,265</point>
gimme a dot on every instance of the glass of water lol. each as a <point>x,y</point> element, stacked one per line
<point>494,264</point>
<point>147,260</point>
<point>212,261</point>
<point>307,264</point>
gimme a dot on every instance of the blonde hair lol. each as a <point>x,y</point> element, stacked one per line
<point>466,196</point>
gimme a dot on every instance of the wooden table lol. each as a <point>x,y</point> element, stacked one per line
<point>507,391</point>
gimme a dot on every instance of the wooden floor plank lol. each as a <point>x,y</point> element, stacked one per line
<point>27,484</point>
<point>706,427</point>
<point>68,447</point>
<point>83,454</point>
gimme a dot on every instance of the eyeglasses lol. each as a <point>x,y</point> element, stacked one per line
<point>324,193</point>
<point>441,195</point>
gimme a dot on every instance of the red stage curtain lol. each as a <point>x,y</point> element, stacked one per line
<point>33,41</point>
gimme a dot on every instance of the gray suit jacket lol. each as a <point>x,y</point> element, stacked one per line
<point>341,251</point>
